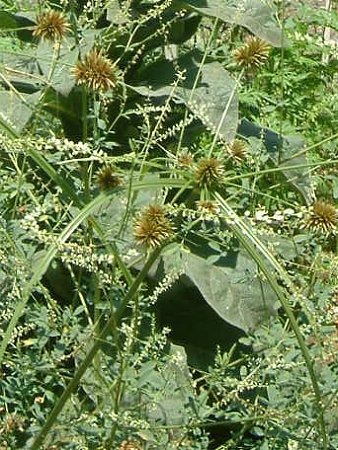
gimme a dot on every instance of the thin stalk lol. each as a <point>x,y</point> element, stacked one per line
<point>197,78</point>
<point>84,115</point>
<point>112,323</point>
<point>85,167</point>
<point>225,112</point>
<point>256,250</point>
<point>159,123</point>
<point>71,194</point>
<point>326,34</point>
<point>313,165</point>
<point>56,54</point>
<point>282,87</point>
<point>125,354</point>
<point>311,147</point>
<point>43,265</point>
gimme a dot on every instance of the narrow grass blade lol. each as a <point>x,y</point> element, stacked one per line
<point>43,266</point>
<point>71,194</point>
<point>261,255</point>
<point>112,322</point>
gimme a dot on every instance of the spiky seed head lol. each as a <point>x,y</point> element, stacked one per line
<point>185,159</point>
<point>237,150</point>
<point>51,25</point>
<point>108,179</point>
<point>152,227</point>
<point>322,218</point>
<point>252,54</point>
<point>130,445</point>
<point>13,422</point>
<point>207,208</point>
<point>209,171</point>
<point>95,71</point>
<point>155,212</point>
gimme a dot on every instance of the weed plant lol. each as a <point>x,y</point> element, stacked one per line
<point>168,257</point>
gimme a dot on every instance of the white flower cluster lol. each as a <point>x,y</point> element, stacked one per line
<point>293,445</point>
<point>21,330</point>
<point>85,257</point>
<point>201,111</point>
<point>279,217</point>
<point>129,332</point>
<point>126,420</point>
<point>176,128</point>
<point>75,150</point>
<point>164,285</point>
<point>178,359</point>
<point>157,10</point>
<point>70,253</point>
<point>7,120</point>
<point>280,364</point>
<point>31,223</point>
<point>153,346</point>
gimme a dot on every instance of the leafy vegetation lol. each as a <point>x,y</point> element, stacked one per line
<point>168,258</point>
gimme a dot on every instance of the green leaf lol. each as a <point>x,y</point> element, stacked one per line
<point>255,15</point>
<point>16,110</point>
<point>292,154</point>
<point>184,28</point>
<point>284,151</point>
<point>96,344</point>
<point>67,109</point>
<point>235,291</point>
<point>213,306</point>
<point>214,91</point>
<point>7,20</point>
<point>57,72</point>
<point>20,24</point>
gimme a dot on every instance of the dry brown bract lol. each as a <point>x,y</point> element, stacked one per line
<point>207,208</point>
<point>209,171</point>
<point>252,54</point>
<point>152,227</point>
<point>185,159</point>
<point>95,71</point>
<point>322,217</point>
<point>237,150</point>
<point>108,179</point>
<point>130,445</point>
<point>51,25</point>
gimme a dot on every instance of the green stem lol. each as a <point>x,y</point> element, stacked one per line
<point>197,79</point>
<point>256,250</point>
<point>84,115</point>
<point>282,87</point>
<point>112,322</point>
<point>225,112</point>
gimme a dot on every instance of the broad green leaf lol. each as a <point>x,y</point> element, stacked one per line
<point>7,20</point>
<point>113,321</point>
<point>20,23</point>
<point>184,28</point>
<point>193,323</point>
<point>15,110</point>
<point>236,292</point>
<point>57,72</point>
<point>255,15</point>
<point>214,91</point>
<point>22,71</point>
<point>284,151</point>
<point>292,154</point>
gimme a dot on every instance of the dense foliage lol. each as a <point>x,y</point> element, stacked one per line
<point>168,228</point>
